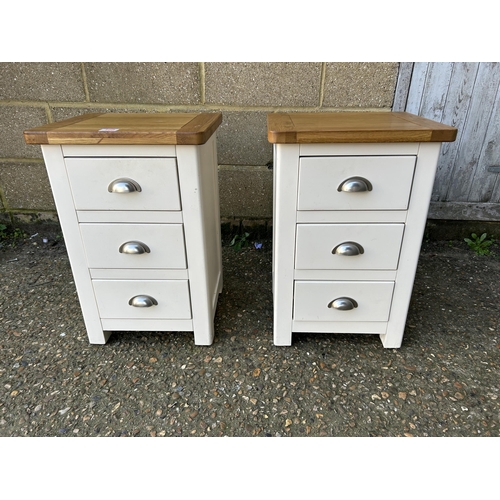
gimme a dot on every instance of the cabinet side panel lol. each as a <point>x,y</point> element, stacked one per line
<point>69,224</point>
<point>199,192</point>
<point>286,175</point>
<point>415,225</point>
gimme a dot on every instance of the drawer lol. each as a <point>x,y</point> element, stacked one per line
<point>313,300</point>
<point>385,182</point>
<point>348,246</point>
<point>169,298</point>
<point>162,246</point>
<point>155,184</point>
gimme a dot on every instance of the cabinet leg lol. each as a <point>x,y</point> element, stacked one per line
<point>98,336</point>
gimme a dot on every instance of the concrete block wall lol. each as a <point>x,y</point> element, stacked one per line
<point>33,94</point>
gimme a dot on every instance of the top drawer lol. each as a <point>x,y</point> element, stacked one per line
<point>355,182</point>
<point>155,179</point>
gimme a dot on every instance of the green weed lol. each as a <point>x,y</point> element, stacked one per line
<point>480,244</point>
<point>240,241</point>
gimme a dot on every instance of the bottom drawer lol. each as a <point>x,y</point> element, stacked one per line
<point>342,300</point>
<point>158,299</point>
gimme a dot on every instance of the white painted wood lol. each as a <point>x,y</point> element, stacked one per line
<point>102,150</point>
<point>312,299</point>
<point>139,274</point>
<point>113,298</point>
<point>320,178</point>
<point>315,216</point>
<point>286,172</point>
<point>157,177</point>
<point>402,86</point>
<point>197,179</point>
<point>465,95</point>
<point>351,327</point>
<point>454,113</point>
<point>143,216</point>
<point>148,325</point>
<point>164,241</point>
<point>183,274</point>
<point>379,244</point>
<point>58,178</point>
<point>410,250</point>
<point>384,294</point>
<point>480,111</point>
<point>343,275</point>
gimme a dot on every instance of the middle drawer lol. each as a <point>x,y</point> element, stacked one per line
<point>348,246</point>
<point>134,246</point>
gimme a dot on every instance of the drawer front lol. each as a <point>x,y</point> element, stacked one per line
<point>314,300</point>
<point>134,246</point>
<point>388,187</point>
<point>348,246</point>
<point>155,184</point>
<point>171,297</point>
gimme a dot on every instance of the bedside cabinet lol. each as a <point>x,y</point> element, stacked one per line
<point>351,195</point>
<point>138,202</point>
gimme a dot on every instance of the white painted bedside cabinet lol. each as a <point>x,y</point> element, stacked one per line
<point>351,196</point>
<point>138,202</point>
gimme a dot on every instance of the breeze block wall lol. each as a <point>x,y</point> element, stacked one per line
<point>32,94</point>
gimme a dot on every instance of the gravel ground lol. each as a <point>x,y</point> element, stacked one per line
<point>443,381</point>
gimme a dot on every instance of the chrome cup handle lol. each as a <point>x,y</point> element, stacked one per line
<point>355,185</point>
<point>134,248</point>
<point>124,185</point>
<point>142,301</point>
<point>343,304</point>
<point>348,248</point>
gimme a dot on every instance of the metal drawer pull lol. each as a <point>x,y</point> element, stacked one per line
<point>348,248</point>
<point>355,185</point>
<point>134,248</point>
<point>343,304</point>
<point>124,186</point>
<point>142,301</point>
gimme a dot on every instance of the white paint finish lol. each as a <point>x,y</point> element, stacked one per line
<point>286,173</point>
<point>466,96</point>
<point>351,327</point>
<point>157,177</point>
<point>379,244</point>
<point>410,249</point>
<point>387,318</point>
<point>344,275</point>
<point>113,298</point>
<point>313,297</point>
<point>148,325</point>
<point>360,216</point>
<point>128,216</point>
<point>139,274</point>
<point>58,178</point>
<point>187,298</point>
<point>101,150</point>
<point>165,242</point>
<point>320,178</point>
<point>198,183</point>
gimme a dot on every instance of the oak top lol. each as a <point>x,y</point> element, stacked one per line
<point>303,128</point>
<point>128,128</point>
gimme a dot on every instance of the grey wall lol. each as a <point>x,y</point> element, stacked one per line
<point>33,94</point>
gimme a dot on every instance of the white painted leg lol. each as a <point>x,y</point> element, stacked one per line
<point>286,172</point>
<point>410,250</point>
<point>56,170</point>
<point>200,207</point>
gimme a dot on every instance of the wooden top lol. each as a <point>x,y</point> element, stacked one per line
<point>304,128</point>
<point>128,128</point>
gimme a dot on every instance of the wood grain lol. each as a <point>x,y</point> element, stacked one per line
<point>354,127</point>
<point>128,128</point>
